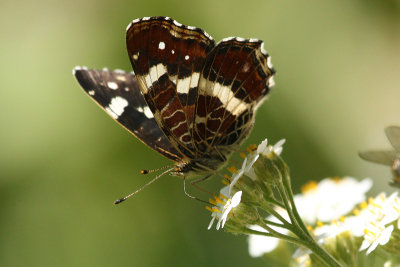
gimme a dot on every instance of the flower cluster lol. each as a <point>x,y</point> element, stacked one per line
<point>318,202</point>
<point>342,225</point>
<point>230,195</point>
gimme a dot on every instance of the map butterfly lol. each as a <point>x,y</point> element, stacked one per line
<point>189,99</point>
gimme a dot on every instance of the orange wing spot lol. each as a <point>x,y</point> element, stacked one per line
<point>243,155</point>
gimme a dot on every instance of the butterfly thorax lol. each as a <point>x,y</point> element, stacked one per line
<point>204,165</point>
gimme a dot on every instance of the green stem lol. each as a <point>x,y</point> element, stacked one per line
<point>289,194</point>
<point>321,253</point>
<point>284,226</point>
<point>280,236</point>
<point>272,212</point>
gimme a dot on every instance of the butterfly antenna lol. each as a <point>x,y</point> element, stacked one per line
<point>143,187</point>
<point>155,170</point>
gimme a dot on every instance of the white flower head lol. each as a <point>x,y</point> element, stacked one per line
<point>259,244</point>
<point>330,198</point>
<point>262,149</point>
<point>376,234</point>
<point>222,208</point>
<point>265,149</point>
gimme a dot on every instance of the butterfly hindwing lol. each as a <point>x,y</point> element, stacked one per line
<point>117,92</point>
<point>234,81</point>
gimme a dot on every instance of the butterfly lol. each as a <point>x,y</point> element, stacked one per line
<point>388,157</point>
<point>188,98</point>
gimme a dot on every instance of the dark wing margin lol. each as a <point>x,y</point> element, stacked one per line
<point>117,92</point>
<point>236,78</point>
<point>167,58</point>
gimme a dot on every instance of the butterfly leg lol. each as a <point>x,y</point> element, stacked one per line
<point>202,179</point>
<point>189,195</point>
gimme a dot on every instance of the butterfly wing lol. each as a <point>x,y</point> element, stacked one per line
<point>385,157</point>
<point>167,58</point>
<point>393,134</point>
<point>117,92</point>
<point>236,78</point>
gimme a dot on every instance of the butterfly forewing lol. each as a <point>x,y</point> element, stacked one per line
<point>167,58</point>
<point>117,92</point>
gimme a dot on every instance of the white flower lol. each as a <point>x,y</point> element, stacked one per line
<point>388,210</point>
<point>222,209</point>
<point>376,234</point>
<point>330,198</point>
<point>302,257</point>
<point>259,244</point>
<point>263,149</point>
<point>236,176</point>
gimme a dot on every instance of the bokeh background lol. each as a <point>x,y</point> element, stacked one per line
<point>63,161</point>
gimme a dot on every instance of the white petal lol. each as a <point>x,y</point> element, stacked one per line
<point>365,244</point>
<point>236,176</point>
<point>236,199</point>
<point>211,223</point>
<point>261,147</point>
<point>385,235</point>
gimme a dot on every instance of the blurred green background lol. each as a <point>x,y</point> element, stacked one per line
<point>63,161</point>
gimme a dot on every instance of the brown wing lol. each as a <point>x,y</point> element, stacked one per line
<point>167,58</point>
<point>236,78</point>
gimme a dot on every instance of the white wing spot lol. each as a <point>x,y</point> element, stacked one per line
<point>91,92</point>
<point>187,57</point>
<point>146,111</point>
<point>269,64</point>
<point>127,89</point>
<point>117,107</point>
<point>121,78</point>
<point>112,85</point>
<point>161,46</point>
<point>172,51</point>
<point>224,93</point>
<point>177,23</point>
